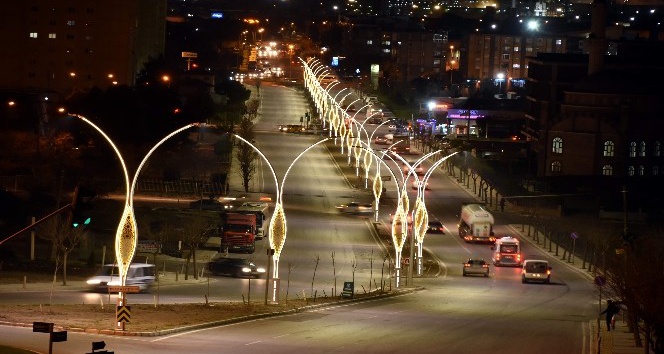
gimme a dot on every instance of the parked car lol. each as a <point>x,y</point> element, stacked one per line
<point>535,270</point>
<point>476,266</point>
<point>235,267</point>
<point>142,275</point>
<point>436,227</point>
<point>355,208</point>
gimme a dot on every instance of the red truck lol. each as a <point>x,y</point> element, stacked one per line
<point>239,232</point>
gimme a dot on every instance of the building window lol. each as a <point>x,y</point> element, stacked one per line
<point>642,170</point>
<point>33,34</point>
<point>642,149</point>
<point>506,57</point>
<point>369,42</point>
<point>658,148</point>
<point>529,49</point>
<point>655,170</point>
<point>71,23</point>
<point>607,170</point>
<point>609,148</point>
<point>516,66</point>
<point>556,167</point>
<point>559,41</point>
<point>630,171</point>
<point>632,149</point>
<point>558,145</point>
<point>386,50</point>
<point>51,35</point>
<point>516,49</point>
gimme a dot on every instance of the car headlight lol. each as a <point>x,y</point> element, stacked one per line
<point>115,283</point>
<point>246,270</point>
<point>93,282</point>
<point>260,270</point>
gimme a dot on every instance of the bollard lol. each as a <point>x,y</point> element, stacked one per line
<point>25,281</point>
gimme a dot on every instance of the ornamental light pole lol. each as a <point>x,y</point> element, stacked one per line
<point>126,235</point>
<point>278,225</point>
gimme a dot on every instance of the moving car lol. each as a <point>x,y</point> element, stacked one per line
<point>476,266</point>
<point>416,184</point>
<point>436,227</point>
<point>141,274</point>
<point>209,204</point>
<point>356,208</point>
<point>417,169</point>
<point>235,267</point>
<point>536,270</point>
<point>381,140</point>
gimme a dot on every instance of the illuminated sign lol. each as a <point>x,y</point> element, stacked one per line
<point>466,114</point>
<point>217,15</point>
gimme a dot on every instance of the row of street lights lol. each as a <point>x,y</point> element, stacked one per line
<point>341,124</point>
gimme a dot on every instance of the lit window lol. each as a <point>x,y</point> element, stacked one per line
<point>529,49</point>
<point>369,41</point>
<point>557,145</point>
<point>607,170</point>
<point>655,170</point>
<point>33,34</point>
<point>51,35</point>
<point>386,50</point>
<point>658,147</point>
<point>71,23</point>
<point>632,149</point>
<point>609,148</point>
<point>516,49</point>
<point>642,149</point>
<point>642,170</point>
<point>630,171</point>
<point>556,167</point>
<point>506,57</point>
<point>559,41</point>
<point>516,66</point>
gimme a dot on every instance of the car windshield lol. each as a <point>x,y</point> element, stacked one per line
<point>536,267</point>
<point>475,262</point>
<point>238,228</point>
<point>508,248</point>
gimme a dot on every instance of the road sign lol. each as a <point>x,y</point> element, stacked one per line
<point>123,313</point>
<point>349,289</point>
<point>59,336</point>
<point>385,178</point>
<point>124,289</point>
<point>406,260</point>
<point>189,55</point>
<point>42,327</point>
<point>574,235</point>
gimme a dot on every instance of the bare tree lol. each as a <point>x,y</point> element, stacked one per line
<point>245,154</point>
<point>64,239</point>
<point>193,234</point>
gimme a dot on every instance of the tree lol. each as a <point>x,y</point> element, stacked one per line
<point>245,154</point>
<point>194,234</point>
<point>64,239</point>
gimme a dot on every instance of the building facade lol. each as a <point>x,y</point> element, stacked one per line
<point>65,46</point>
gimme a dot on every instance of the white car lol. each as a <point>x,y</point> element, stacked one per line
<point>355,208</point>
<point>536,270</point>
<point>416,184</point>
<point>418,169</point>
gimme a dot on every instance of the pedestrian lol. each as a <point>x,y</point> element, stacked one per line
<point>612,309</point>
<point>502,204</point>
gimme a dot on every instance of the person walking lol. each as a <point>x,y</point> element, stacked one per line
<point>612,309</point>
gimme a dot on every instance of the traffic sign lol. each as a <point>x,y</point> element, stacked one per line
<point>574,235</point>
<point>60,336</point>
<point>123,313</point>
<point>124,289</point>
<point>406,260</point>
<point>189,55</point>
<point>385,178</point>
<point>42,327</point>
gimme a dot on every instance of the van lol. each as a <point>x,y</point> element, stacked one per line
<point>536,270</point>
<point>141,274</point>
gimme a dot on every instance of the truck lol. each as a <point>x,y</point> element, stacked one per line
<point>260,209</point>
<point>506,252</point>
<point>476,224</point>
<point>238,232</point>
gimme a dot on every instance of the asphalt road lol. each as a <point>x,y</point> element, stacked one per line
<point>454,314</point>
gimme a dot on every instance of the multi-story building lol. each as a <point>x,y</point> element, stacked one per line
<point>63,46</point>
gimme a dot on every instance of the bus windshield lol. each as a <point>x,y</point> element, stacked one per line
<point>509,248</point>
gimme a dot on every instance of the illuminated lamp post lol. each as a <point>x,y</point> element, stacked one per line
<point>126,236</point>
<point>278,225</point>
<point>347,129</point>
<point>326,101</point>
<point>421,216</point>
<point>500,77</point>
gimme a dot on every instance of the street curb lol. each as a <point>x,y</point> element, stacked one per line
<point>111,332</point>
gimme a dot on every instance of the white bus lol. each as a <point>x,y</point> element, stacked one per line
<point>507,252</point>
<point>262,217</point>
